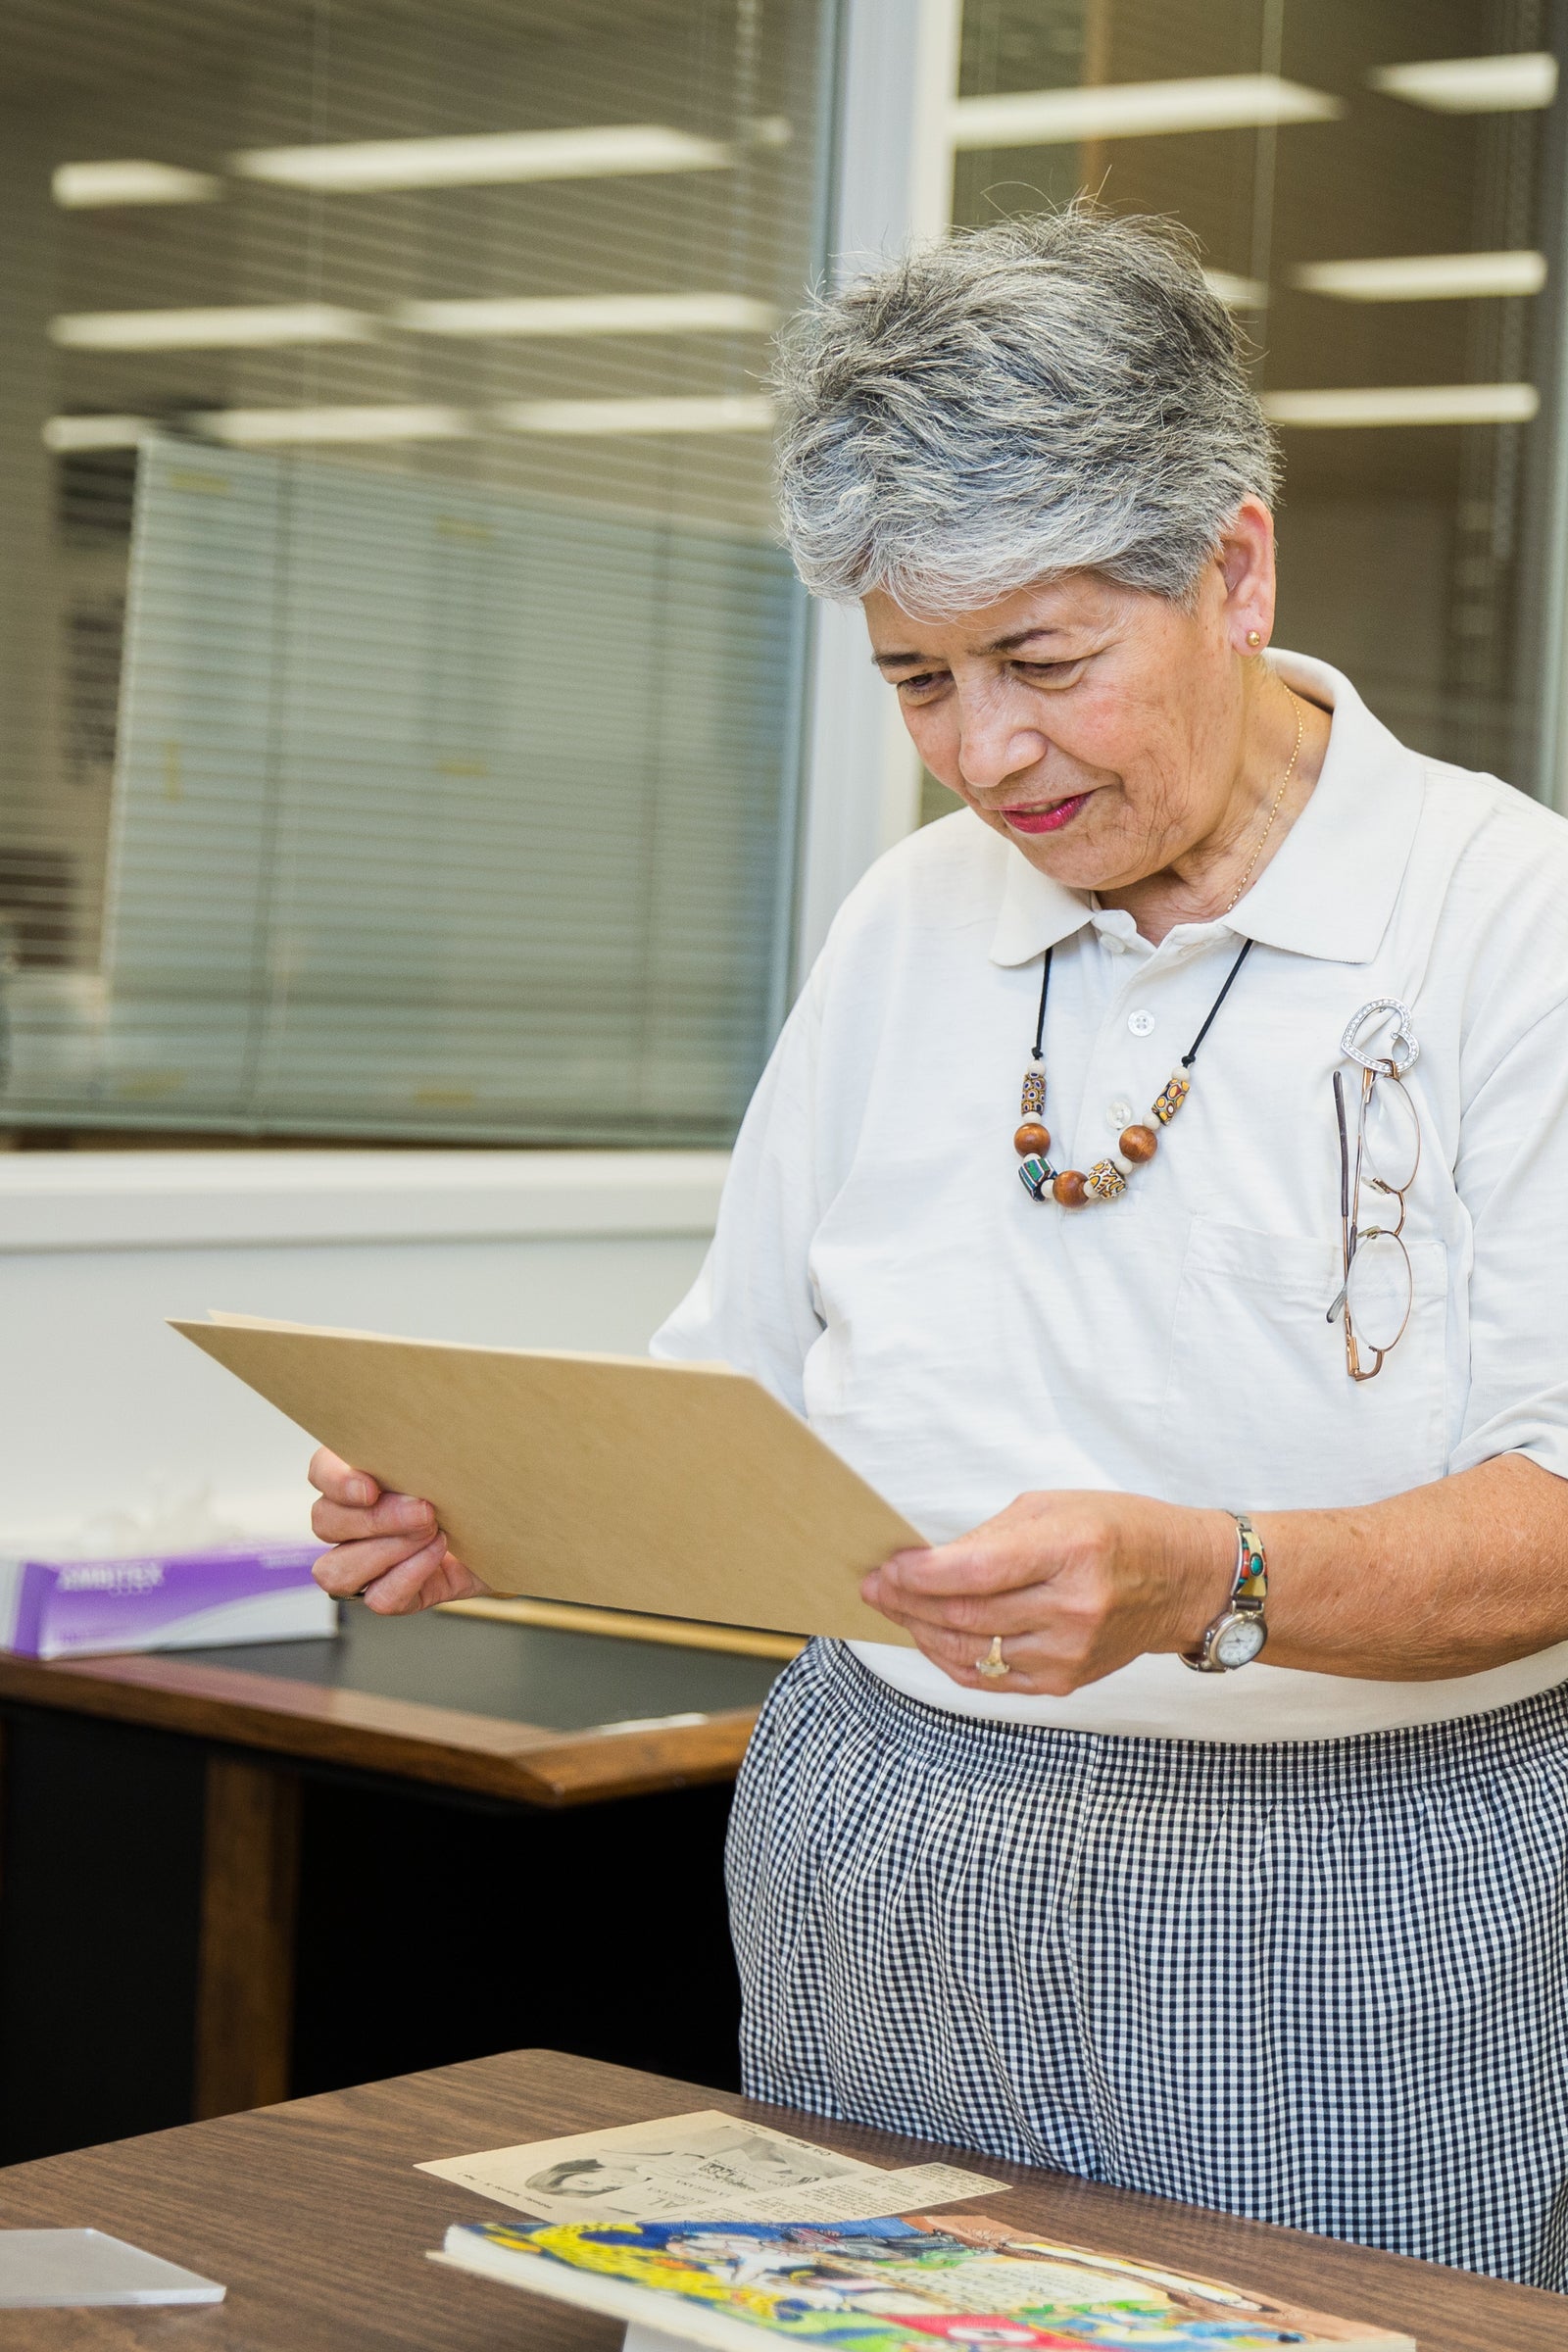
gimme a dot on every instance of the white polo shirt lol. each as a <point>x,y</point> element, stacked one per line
<point>880,1268</point>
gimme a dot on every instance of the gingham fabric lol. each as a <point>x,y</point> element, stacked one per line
<point>1324,1984</point>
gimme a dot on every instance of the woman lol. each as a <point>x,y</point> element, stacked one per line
<point>1285,1936</point>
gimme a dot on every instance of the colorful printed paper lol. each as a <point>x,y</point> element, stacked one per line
<point>907,2284</point>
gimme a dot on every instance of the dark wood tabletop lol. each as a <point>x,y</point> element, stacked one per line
<point>313,2217</point>
<point>537,1714</point>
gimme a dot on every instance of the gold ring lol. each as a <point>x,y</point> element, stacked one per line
<point>993,1665</point>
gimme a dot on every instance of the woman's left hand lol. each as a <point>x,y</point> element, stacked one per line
<point>1075,1584</point>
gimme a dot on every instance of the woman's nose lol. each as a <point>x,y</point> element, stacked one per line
<point>994,746</point>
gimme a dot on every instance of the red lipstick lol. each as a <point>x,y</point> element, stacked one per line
<point>1044,820</point>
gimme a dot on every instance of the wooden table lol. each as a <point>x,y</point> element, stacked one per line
<point>206,1858</point>
<point>313,2219</point>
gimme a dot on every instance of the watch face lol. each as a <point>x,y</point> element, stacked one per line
<point>1239,1641</point>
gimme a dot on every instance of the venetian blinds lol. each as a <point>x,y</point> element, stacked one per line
<point>401,724</point>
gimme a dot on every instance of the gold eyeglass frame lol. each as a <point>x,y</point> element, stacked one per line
<point>1389,1069</point>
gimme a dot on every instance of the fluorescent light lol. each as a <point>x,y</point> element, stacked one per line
<point>81,186</point>
<point>1426,277</point>
<point>1235,293</point>
<point>366,166</point>
<point>257,428</point>
<point>723,412</point>
<point>1133,110</point>
<point>1473,85</point>
<point>64,434</point>
<point>589,315</point>
<point>241,329</point>
<point>1406,404</point>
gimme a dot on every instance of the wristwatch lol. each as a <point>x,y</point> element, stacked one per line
<point>1239,1632</point>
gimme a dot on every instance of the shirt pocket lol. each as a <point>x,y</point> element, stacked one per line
<point>1259,1411</point>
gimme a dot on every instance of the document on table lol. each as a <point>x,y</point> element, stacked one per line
<point>707,2167</point>
<point>673,1490</point>
<point>76,2270</point>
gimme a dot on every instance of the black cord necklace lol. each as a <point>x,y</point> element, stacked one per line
<point>1108,1178</point>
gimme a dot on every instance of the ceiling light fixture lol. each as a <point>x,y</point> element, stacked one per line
<point>1237,293</point>
<point>1425,276</point>
<point>1406,404</point>
<point>264,428</point>
<point>1473,85</point>
<point>368,167</point>
<point>65,435</point>
<point>589,315</point>
<point>246,328</point>
<point>80,187</point>
<point>721,412</point>
<point>1133,110</point>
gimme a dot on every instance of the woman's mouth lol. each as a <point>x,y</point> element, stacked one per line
<point>1044,820</point>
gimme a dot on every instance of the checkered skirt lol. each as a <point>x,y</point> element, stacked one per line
<point>1322,1985</point>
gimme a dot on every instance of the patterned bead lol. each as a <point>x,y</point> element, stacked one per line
<point>1031,1136</point>
<point>1139,1144</point>
<point>1106,1179</point>
<point>1174,1093</point>
<point>1035,1175</point>
<point>1033,1100</point>
<point>1069,1189</point>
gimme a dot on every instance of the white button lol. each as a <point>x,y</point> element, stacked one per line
<point>1118,1114</point>
<point>1140,1023</point>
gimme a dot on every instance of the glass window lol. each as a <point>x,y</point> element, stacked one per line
<point>399,680</point>
<point>1371,186</point>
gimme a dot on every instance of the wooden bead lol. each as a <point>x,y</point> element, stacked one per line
<point>1071,1190</point>
<point>1139,1144</point>
<point>1031,1136</point>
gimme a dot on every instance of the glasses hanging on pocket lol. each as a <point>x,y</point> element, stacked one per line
<point>1380,1152</point>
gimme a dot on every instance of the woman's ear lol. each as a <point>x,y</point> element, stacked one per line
<point>1247,568</point>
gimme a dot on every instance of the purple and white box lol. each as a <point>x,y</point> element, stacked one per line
<point>63,1608</point>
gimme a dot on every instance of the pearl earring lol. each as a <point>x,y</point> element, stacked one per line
<point>1254,638</point>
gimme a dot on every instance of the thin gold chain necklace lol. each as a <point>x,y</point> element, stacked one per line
<point>1278,797</point>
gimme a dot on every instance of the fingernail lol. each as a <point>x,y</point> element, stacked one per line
<point>361,1490</point>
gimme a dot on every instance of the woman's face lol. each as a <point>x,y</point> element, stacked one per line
<point>1099,728</point>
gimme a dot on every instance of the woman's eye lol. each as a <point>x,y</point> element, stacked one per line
<point>912,689</point>
<point>1049,674</point>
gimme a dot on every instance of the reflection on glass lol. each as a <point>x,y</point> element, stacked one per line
<point>399,681</point>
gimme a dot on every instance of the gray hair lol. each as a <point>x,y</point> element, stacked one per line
<point>1051,394</point>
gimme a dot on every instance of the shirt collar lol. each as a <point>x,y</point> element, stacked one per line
<point>1329,890</point>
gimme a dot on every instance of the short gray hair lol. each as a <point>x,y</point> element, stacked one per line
<point>1046,395</point>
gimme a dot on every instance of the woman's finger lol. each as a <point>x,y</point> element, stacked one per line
<point>971,1565</point>
<point>431,1576</point>
<point>348,1568</point>
<point>1020,1610</point>
<point>390,1515</point>
<point>331,1475</point>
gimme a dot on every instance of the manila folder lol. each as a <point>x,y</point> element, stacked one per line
<point>676,1489</point>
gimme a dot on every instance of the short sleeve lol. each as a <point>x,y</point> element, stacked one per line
<point>1512,1175</point>
<point>751,1305</point>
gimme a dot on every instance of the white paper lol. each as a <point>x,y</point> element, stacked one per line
<point>707,2167</point>
<point>74,2269</point>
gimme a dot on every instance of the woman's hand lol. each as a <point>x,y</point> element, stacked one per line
<point>1075,1584</point>
<point>386,1548</point>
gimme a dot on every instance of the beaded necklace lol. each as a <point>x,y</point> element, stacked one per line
<point>1108,1178</point>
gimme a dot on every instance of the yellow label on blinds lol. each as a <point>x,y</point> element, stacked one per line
<point>206,485</point>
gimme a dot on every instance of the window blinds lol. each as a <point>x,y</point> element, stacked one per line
<point>401,729</point>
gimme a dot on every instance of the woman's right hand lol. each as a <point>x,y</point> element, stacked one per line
<point>386,1548</point>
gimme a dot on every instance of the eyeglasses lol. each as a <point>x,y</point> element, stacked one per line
<point>1380,1158</point>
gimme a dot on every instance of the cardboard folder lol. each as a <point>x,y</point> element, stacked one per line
<point>676,1489</point>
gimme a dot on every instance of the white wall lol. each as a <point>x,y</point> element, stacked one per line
<point>115,1430</point>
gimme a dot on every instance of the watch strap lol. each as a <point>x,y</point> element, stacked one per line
<point>1249,1594</point>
